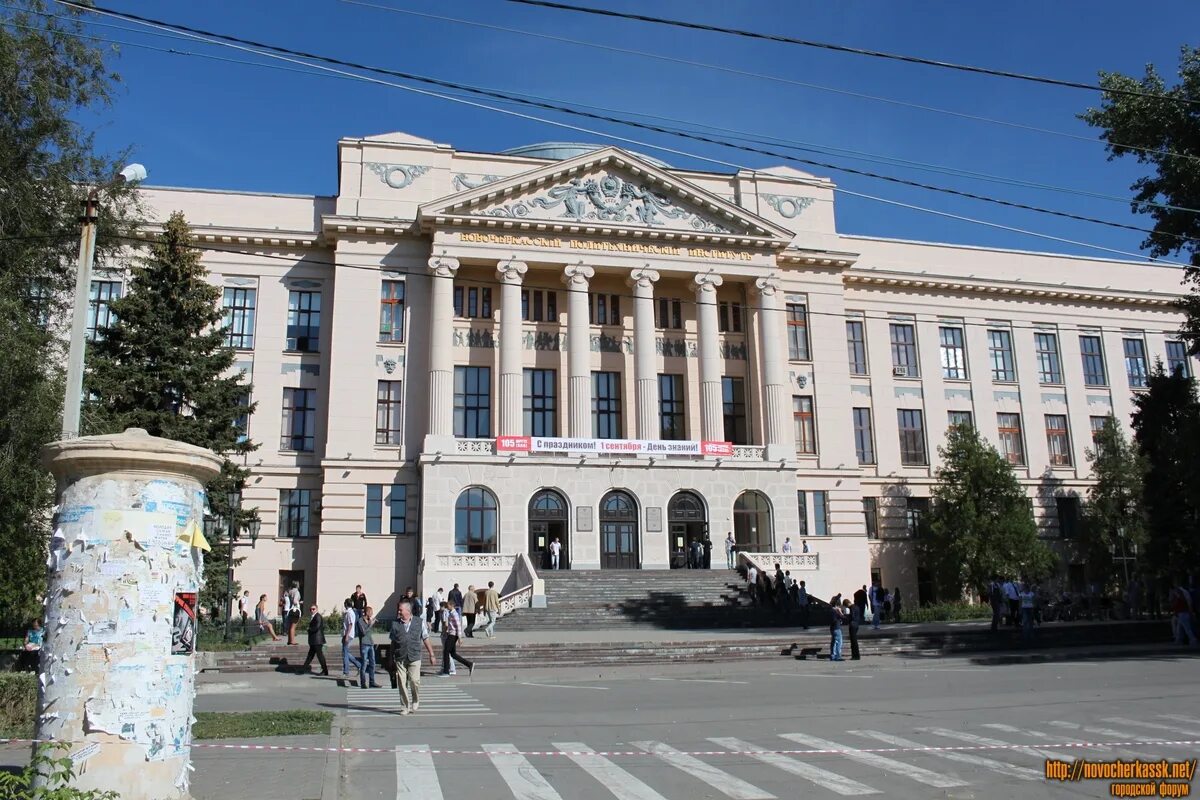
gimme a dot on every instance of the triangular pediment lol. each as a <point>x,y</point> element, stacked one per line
<point>606,190</point>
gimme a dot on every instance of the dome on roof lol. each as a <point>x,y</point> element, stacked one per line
<point>560,151</point>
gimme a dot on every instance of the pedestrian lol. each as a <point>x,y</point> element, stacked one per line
<point>360,601</point>
<point>706,544</point>
<point>491,609</point>
<point>316,640</point>
<point>1012,599</point>
<point>1026,598</point>
<point>413,601</point>
<point>887,606</point>
<point>730,549</point>
<point>875,595</point>
<point>555,552</point>
<point>780,589</point>
<point>244,608</point>
<point>802,604</point>
<point>285,604</point>
<point>860,600</point>
<point>366,648</point>
<point>469,602</point>
<point>456,598</point>
<point>787,545</point>
<point>348,634</point>
<point>896,604</point>
<point>408,636</point>
<point>996,599</point>
<point>764,588</point>
<point>835,628</point>
<point>450,635</point>
<point>431,612</point>
<point>803,545</point>
<point>1180,603</point>
<point>297,604</point>
<point>261,619</point>
<point>697,554</point>
<point>31,649</point>
<point>752,582</point>
<point>854,613</point>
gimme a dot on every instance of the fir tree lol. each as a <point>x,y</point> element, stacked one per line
<point>1113,519</point>
<point>164,366</point>
<point>980,522</point>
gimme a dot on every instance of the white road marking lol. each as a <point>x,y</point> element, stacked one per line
<point>722,781</point>
<point>971,738</point>
<point>562,686</point>
<point>918,774</point>
<point>1157,726</point>
<point>934,669</point>
<point>1002,767</point>
<point>1181,718</point>
<point>1045,737</point>
<point>1113,732</point>
<point>838,675</point>
<point>416,777</point>
<point>821,777</point>
<point>525,782</point>
<point>697,680</point>
<point>436,701</point>
<point>623,785</point>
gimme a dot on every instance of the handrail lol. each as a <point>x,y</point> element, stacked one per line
<point>521,598</point>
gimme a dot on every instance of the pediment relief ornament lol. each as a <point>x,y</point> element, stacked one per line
<point>607,198</point>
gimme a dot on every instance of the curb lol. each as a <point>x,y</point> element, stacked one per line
<point>333,762</point>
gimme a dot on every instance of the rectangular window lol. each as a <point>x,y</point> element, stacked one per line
<point>239,317</point>
<point>403,509</point>
<point>954,353</point>
<point>1000,352</point>
<point>473,402</point>
<point>389,503</point>
<point>806,429</point>
<point>733,406</point>
<point>472,302</point>
<point>960,418</point>
<point>295,513</point>
<point>304,321</point>
<point>1092,353</point>
<point>1011,443</point>
<point>671,407</point>
<point>1058,440</point>
<point>604,309</point>
<point>299,420</point>
<point>729,317</point>
<point>391,311</point>
<point>1135,363</point>
<point>871,513</point>
<point>538,305</point>
<point>1177,359</point>
<point>668,314</point>
<point>820,513</point>
<point>541,402</point>
<point>606,405</point>
<point>911,422</point>
<point>797,325</point>
<point>916,513</point>
<point>864,437</point>
<point>100,316</point>
<point>374,508</point>
<point>1068,516</point>
<point>388,421</point>
<point>802,506</point>
<point>242,421</point>
<point>1049,366</point>
<point>856,346</point>
<point>904,350</point>
<point>1097,424</point>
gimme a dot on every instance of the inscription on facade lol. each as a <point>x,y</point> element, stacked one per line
<point>548,341</point>
<point>557,243</point>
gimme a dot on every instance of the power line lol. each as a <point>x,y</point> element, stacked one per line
<point>769,77</point>
<point>232,42</point>
<point>603,12</point>
<point>631,123</point>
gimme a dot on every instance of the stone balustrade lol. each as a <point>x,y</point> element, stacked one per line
<point>467,562</point>
<point>788,561</point>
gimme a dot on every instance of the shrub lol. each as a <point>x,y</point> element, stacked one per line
<point>58,773</point>
<point>18,704</point>
<point>946,612</point>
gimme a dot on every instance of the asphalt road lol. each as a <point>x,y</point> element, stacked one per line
<point>939,729</point>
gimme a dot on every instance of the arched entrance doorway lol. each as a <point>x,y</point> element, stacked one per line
<point>547,522</point>
<point>618,531</point>
<point>688,523</point>
<point>752,522</point>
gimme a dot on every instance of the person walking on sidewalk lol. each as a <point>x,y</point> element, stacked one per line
<point>730,547</point>
<point>555,552</point>
<point>996,599</point>
<point>294,618</point>
<point>491,609</point>
<point>855,614</point>
<point>1026,598</point>
<point>450,635</point>
<point>469,602</point>
<point>456,598</point>
<point>348,633</point>
<point>802,604</point>
<point>286,618</point>
<point>408,636</point>
<point>1180,602</point>
<point>875,596</point>
<point>244,608</point>
<point>366,648</point>
<point>835,628</point>
<point>316,641</point>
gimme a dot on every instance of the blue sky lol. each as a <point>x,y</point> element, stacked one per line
<point>204,123</point>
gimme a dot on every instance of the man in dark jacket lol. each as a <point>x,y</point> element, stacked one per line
<point>359,599</point>
<point>456,598</point>
<point>316,641</point>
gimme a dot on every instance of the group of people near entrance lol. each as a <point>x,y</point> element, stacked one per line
<point>873,602</point>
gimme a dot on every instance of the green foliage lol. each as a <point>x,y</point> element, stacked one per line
<point>18,704</point>
<point>1166,425</point>
<point>947,612</point>
<point>1113,518</point>
<point>980,523</point>
<point>163,366</point>
<point>48,76</point>
<point>1165,135</point>
<point>55,778</point>
<point>252,724</point>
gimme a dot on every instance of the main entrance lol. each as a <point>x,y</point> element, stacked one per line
<point>618,531</point>
<point>548,522</point>
<point>688,525</point>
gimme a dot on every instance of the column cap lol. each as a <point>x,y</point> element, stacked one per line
<point>511,271</point>
<point>643,277</point>
<point>443,266</point>
<point>132,450</point>
<point>706,280</point>
<point>767,285</point>
<point>580,273</point>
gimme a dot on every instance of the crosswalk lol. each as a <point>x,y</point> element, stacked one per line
<point>437,699</point>
<point>784,764</point>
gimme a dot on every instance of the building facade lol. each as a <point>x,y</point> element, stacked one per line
<point>463,357</point>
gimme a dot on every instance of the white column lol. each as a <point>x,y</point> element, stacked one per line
<point>579,350</point>
<point>511,274</point>
<point>642,280</point>
<point>441,362</point>
<point>780,434</point>
<point>711,418</point>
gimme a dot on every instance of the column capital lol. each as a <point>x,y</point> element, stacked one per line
<point>643,277</point>
<point>443,266</point>
<point>511,271</point>
<point>767,286</point>
<point>576,276</point>
<point>707,282</point>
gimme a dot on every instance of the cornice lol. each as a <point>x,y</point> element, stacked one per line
<point>243,236</point>
<point>940,284</point>
<point>334,227</point>
<point>832,259</point>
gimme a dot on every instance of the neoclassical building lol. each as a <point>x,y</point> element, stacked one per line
<point>463,357</point>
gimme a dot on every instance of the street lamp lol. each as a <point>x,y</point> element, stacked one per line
<point>83,279</point>
<point>217,525</point>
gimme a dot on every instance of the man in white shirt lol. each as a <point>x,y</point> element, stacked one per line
<point>752,581</point>
<point>408,636</point>
<point>730,545</point>
<point>1013,598</point>
<point>555,549</point>
<point>348,658</point>
<point>787,545</point>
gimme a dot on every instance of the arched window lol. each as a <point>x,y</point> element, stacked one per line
<point>617,506</point>
<point>685,507</point>
<point>619,531</point>
<point>547,504</point>
<point>752,522</point>
<point>476,522</point>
